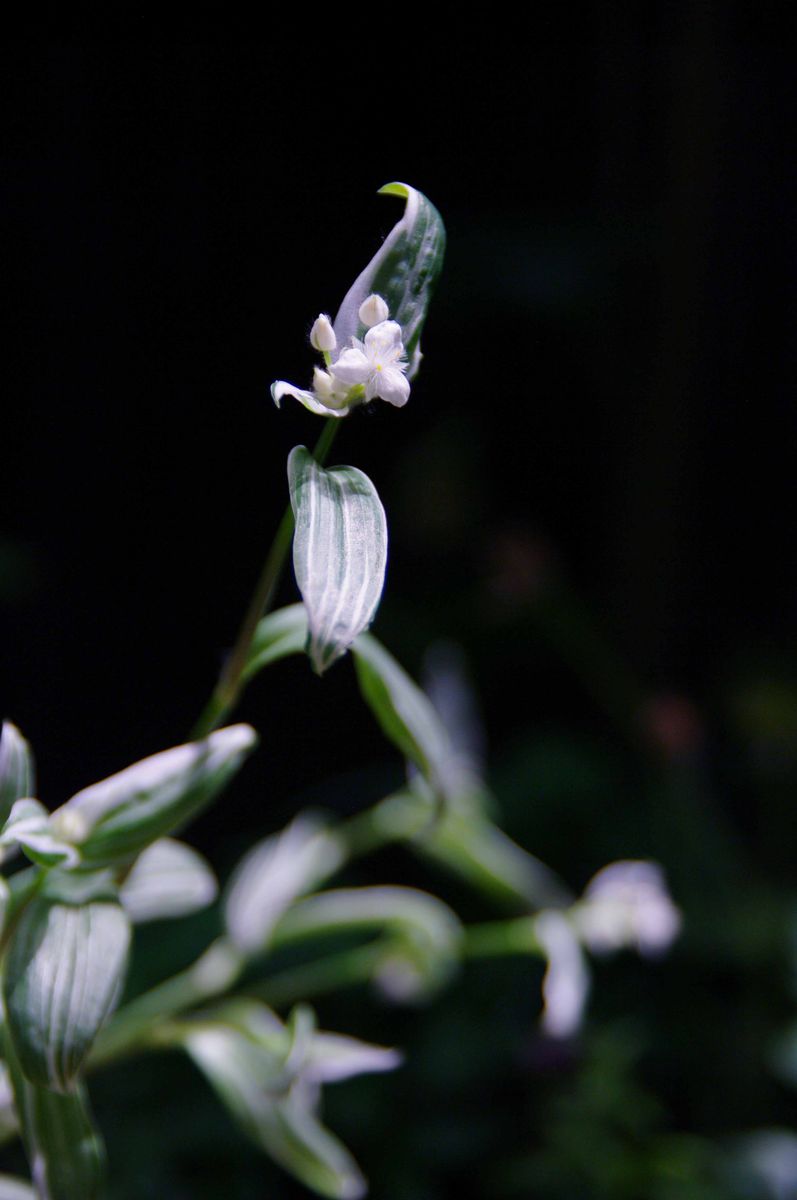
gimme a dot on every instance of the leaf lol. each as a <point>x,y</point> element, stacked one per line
<point>117,818</point>
<point>15,1189</point>
<point>272,874</point>
<point>339,552</point>
<point>405,713</point>
<point>423,939</point>
<point>29,827</point>
<point>64,971</point>
<point>17,775</point>
<point>169,879</point>
<point>278,635</point>
<point>481,852</point>
<point>65,1152</point>
<point>403,272</point>
<point>249,1076</point>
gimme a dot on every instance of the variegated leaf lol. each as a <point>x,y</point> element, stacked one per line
<point>63,974</point>
<point>403,272</point>
<point>339,552</point>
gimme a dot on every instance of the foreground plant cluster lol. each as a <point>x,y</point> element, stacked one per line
<point>83,876</point>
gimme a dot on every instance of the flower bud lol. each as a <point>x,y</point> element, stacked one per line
<point>322,335</point>
<point>373,311</point>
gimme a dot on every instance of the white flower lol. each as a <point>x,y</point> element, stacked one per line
<point>378,363</point>
<point>627,904</point>
<point>322,335</point>
<point>364,371</point>
<point>373,311</point>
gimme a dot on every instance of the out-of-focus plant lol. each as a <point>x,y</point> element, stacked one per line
<point>107,859</point>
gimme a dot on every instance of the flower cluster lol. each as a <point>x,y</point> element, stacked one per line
<point>363,371</point>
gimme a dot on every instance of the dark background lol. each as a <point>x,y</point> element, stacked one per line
<point>590,488</point>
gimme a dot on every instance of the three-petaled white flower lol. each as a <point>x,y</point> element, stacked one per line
<point>378,363</point>
<point>365,370</point>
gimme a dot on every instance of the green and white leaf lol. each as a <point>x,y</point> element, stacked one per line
<point>115,819</point>
<point>339,552</point>
<point>64,1150</point>
<point>17,774</point>
<point>405,714</point>
<point>29,828</point>
<point>473,847</point>
<point>422,935</point>
<point>277,636</point>
<point>403,272</point>
<point>273,874</point>
<point>169,879</point>
<point>64,971</point>
<point>269,1100</point>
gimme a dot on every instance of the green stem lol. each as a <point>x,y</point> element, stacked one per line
<point>495,939</point>
<point>228,689</point>
<point>344,969</point>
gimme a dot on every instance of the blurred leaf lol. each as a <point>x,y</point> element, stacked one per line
<point>272,874</point>
<point>65,1152</point>
<point>169,879</point>
<point>278,635</point>
<point>479,851</point>
<point>118,817</point>
<point>405,713</point>
<point>403,272</point>
<point>265,1074</point>
<point>423,939</point>
<point>9,1123</point>
<point>64,970</point>
<point>29,827</point>
<point>17,774</point>
<point>339,552</point>
<point>15,1189</point>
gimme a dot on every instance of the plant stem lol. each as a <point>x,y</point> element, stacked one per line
<point>495,939</point>
<point>228,688</point>
<point>343,969</point>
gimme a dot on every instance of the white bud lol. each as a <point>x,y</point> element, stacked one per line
<point>322,335</point>
<point>373,311</point>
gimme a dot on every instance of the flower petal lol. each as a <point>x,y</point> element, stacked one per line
<point>383,343</point>
<point>308,399</point>
<point>392,385</point>
<point>352,367</point>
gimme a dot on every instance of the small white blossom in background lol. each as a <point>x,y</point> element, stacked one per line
<point>374,368</point>
<point>565,986</point>
<point>627,904</point>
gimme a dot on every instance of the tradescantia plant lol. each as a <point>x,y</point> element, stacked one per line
<point>81,878</point>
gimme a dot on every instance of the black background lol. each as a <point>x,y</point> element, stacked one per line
<point>590,488</point>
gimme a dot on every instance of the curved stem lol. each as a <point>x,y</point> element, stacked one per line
<point>228,689</point>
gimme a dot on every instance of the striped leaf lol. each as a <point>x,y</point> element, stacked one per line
<point>17,777</point>
<point>403,272</point>
<point>64,970</point>
<point>339,553</point>
<point>116,818</point>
